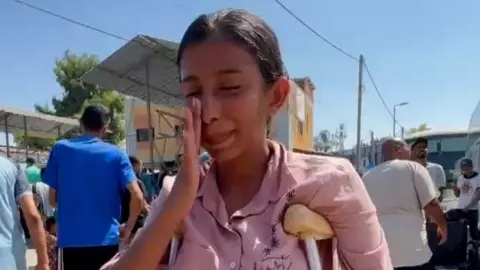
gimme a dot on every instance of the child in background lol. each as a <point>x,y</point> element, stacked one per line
<point>51,235</point>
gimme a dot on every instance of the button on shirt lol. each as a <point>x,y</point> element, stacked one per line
<point>13,186</point>
<point>253,237</point>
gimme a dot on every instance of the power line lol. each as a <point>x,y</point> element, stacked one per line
<point>306,25</point>
<point>104,32</point>
<point>380,94</point>
<point>71,20</point>
<point>302,22</point>
<point>95,29</point>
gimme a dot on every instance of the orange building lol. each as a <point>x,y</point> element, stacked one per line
<point>293,123</point>
<point>302,128</point>
<point>167,130</point>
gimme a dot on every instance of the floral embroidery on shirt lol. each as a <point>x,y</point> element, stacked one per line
<point>274,263</point>
<point>275,242</point>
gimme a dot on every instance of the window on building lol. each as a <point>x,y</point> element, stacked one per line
<point>300,127</point>
<point>143,134</point>
<point>453,144</point>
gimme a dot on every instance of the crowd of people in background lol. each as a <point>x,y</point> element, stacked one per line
<point>112,192</point>
<point>407,192</point>
<point>109,195</point>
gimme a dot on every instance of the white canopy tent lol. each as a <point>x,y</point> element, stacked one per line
<point>15,121</point>
<point>144,68</point>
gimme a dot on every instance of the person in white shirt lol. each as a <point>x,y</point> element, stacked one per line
<point>419,154</point>
<point>436,171</point>
<point>402,192</point>
<point>468,191</point>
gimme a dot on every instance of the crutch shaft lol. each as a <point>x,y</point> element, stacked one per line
<point>314,261</point>
<point>174,245</point>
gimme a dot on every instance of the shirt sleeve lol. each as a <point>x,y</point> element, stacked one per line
<point>127,173</point>
<point>343,199</point>
<point>22,186</point>
<point>50,176</point>
<point>424,186</point>
<point>442,179</point>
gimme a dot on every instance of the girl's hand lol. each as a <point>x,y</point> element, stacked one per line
<point>186,184</point>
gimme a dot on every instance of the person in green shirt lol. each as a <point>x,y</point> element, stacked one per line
<point>32,171</point>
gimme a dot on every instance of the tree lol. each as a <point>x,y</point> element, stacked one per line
<point>326,142</point>
<point>420,128</point>
<point>340,136</point>
<point>322,142</point>
<point>77,95</point>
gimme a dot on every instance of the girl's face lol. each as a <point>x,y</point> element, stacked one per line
<point>235,100</point>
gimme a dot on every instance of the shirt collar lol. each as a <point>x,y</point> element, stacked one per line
<point>273,187</point>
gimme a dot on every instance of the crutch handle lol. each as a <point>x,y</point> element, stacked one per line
<point>306,224</point>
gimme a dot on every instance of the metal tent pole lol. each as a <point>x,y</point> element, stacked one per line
<point>7,139</point>
<point>25,136</point>
<point>151,137</point>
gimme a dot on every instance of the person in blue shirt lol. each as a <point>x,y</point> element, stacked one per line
<point>86,177</point>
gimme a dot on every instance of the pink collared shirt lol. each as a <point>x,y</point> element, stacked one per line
<point>253,237</point>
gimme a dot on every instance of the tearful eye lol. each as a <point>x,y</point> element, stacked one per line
<point>230,88</point>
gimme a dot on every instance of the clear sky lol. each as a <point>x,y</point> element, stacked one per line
<point>424,52</point>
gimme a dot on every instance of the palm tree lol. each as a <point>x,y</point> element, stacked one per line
<point>323,141</point>
<point>420,128</point>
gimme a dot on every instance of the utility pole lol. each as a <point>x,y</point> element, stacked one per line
<point>373,148</point>
<point>361,64</point>
<point>394,122</point>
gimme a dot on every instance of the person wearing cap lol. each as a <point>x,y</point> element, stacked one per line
<point>419,150</point>
<point>467,189</point>
<point>85,176</point>
<point>436,171</point>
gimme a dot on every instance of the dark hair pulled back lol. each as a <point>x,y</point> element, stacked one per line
<point>244,29</point>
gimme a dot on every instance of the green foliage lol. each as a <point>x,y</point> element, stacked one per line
<point>327,142</point>
<point>76,96</point>
<point>420,128</point>
<point>33,142</point>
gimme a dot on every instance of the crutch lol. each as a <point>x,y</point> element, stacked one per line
<point>174,246</point>
<point>310,227</point>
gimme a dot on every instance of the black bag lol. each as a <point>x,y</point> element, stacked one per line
<point>454,251</point>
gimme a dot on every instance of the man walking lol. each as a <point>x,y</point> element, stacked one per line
<point>86,177</point>
<point>14,188</point>
<point>402,192</point>
<point>468,190</point>
<point>126,198</point>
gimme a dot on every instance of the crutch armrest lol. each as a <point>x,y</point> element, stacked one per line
<point>304,223</point>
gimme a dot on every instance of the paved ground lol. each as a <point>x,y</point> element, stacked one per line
<point>31,259</point>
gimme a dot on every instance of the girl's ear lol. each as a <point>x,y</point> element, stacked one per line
<point>278,95</point>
